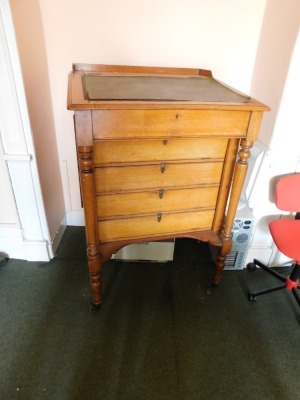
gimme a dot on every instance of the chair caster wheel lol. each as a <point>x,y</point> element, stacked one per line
<point>251,297</point>
<point>251,267</point>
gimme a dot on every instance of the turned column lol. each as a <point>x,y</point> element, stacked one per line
<point>86,168</point>
<point>237,185</point>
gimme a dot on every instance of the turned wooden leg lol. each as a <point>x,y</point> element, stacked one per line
<point>220,261</point>
<point>94,266</point>
<point>219,264</point>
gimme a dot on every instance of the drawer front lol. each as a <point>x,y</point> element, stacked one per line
<point>122,124</point>
<point>164,175</point>
<point>153,225</point>
<point>162,200</point>
<point>132,151</point>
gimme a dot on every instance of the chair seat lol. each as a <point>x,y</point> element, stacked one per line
<point>286,235</point>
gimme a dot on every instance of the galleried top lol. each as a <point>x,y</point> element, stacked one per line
<point>97,86</point>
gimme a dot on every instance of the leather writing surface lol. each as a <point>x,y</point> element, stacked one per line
<point>199,89</point>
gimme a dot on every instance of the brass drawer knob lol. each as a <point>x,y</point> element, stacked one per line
<point>161,193</point>
<point>162,167</point>
<point>159,217</point>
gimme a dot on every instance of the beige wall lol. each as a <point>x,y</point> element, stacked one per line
<point>247,44</point>
<point>32,51</point>
<point>278,38</point>
<point>52,34</point>
<point>218,35</point>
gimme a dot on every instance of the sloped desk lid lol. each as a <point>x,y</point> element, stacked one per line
<point>158,88</point>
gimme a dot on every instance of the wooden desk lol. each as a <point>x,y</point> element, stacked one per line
<point>162,152</point>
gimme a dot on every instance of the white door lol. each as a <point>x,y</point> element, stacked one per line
<point>23,228</point>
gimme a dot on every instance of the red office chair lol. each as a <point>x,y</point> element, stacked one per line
<point>286,236</point>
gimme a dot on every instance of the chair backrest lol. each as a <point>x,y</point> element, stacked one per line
<point>288,193</point>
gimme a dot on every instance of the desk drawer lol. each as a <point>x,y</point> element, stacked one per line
<point>118,179</point>
<point>154,224</point>
<point>125,204</point>
<point>131,151</point>
<point>122,124</point>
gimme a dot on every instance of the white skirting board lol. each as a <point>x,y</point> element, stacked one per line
<point>13,245</point>
<point>162,251</point>
<point>75,218</point>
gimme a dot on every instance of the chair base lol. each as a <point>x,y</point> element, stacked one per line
<point>290,283</point>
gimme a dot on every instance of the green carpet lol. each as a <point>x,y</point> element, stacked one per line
<point>158,335</point>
